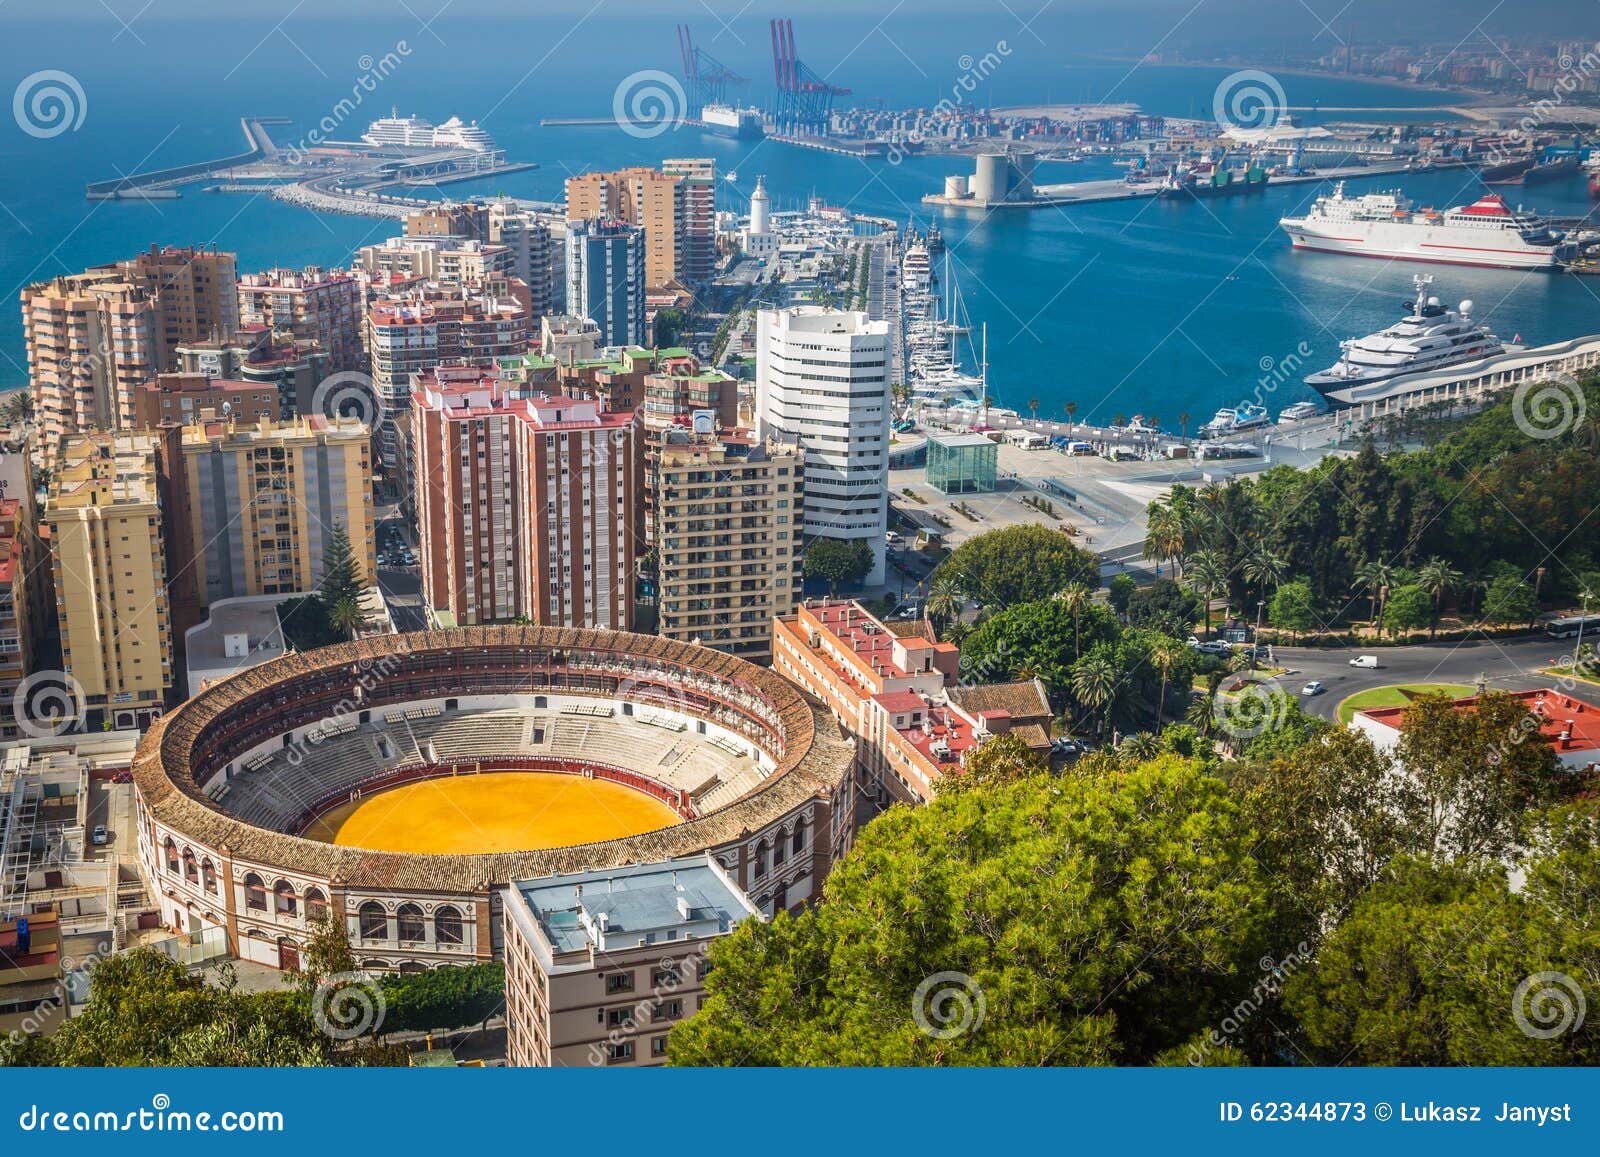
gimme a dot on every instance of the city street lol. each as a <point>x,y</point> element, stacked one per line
<point>1505,666</point>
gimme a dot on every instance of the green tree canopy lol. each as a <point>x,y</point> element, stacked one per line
<point>1480,772</point>
<point>1036,640</point>
<point>1020,564</point>
<point>1050,905</point>
<point>837,560</point>
<point>1294,608</point>
<point>1433,967</point>
<point>1408,608</point>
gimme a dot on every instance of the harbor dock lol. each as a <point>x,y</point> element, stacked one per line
<point>1116,189</point>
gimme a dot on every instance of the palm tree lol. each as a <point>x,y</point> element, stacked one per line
<point>345,617</point>
<point>1164,656</point>
<point>1094,684</point>
<point>1072,412</point>
<point>1202,715</point>
<point>1205,572</point>
<point>1263,568</point>
<point>1033,408</point>
<point>1375,575</point>
<point>1183,425</point>
<point>1163,534</point>
<point>1140,746</point>
<point>944,602</point>
<point>1438,578</point>
<point>1075,597</point>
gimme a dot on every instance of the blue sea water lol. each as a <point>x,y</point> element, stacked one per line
<point>1147,307</point>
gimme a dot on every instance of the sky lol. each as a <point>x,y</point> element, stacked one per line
<point>1088,25</point>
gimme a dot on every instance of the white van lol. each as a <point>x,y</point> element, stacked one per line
<point>1368,661</point>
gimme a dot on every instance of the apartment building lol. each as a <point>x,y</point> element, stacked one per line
<point>888,691</point>
<point>601,965</point>
<point>92,338</point>
<point>654,201</point>
<point>16,625</point>
<point>699,177</point>
<point>410,335</point>
<point>179,399</point>
<point>822,383</point>
<point>259,502</point>
<point>728,517</point>
<point>526,506</point>
<point>104,520</point>
<point>606,273</point>
<point>447,260</point>
<point>310,305</point>
<point>293,366</point>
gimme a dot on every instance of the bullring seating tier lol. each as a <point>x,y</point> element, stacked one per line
<point>274,791</point>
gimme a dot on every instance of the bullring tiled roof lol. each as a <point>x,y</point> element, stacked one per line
<point>814,762</point>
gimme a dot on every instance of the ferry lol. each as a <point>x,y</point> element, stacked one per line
<point>1484,233</point>
<point>1299,412</point>
<point>1429,337</point>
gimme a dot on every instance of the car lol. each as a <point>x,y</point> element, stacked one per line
<point>1370,662</point>
<point>1313,688</point>
<point>100,836</point>
<point>892,538</point>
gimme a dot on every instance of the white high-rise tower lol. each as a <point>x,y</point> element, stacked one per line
<point>822,382</point>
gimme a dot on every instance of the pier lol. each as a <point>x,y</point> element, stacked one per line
<point>140,185</point>
<point>1115,189</point>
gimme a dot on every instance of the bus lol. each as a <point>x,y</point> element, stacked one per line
<point>1575,625</point>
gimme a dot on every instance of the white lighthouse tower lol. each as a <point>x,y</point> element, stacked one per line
<point>759,240</point>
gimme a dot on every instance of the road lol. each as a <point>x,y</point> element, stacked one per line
<point>1504,665</point>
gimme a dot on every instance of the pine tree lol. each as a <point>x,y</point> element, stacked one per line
<point>340,580</point>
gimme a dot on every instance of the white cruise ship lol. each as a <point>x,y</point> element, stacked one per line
<point>394,129</point>
<point>1429,337</point>
<point>1486,232</point>
<point>454,134</point>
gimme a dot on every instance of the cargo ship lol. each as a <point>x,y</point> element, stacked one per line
<point>743,124</point>
<point>1594,180</point>
<point>1506,172</point>
<point>1550,168</point>
<point>1209,180</point>
<point>1486,232</point>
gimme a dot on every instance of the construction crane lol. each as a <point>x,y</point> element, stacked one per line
<point>706,77</point>
<point>805,100</point>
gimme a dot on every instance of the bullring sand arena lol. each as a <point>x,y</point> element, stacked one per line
<point>493,812</point>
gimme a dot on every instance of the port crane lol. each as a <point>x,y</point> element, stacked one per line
<point>707,79</point>
<point>805,100</point>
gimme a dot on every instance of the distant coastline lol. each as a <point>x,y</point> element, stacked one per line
<point>1478,96</point>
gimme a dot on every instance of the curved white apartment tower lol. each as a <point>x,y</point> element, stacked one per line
<point>822,382</point>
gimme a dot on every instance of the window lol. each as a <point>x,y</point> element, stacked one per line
<point>316,904</point>
<point>255,893</point>
<point>208,876</point>
<point>616,1017</point>
<point>658,1046</point>
<point>447,925</point>
<point>621,1052</point>
<point>664,978</point>
<point>286,902</point>
<point>411,924</point>
<point>172,856</point>
<point>799,844</point>
<point>374,921</point>
<point>619,982</point>
<point>667,1010</point>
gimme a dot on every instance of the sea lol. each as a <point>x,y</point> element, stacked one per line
<point>1154,307</point>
